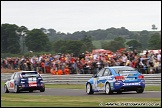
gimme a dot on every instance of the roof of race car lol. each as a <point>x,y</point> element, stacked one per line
<point>25,71</point>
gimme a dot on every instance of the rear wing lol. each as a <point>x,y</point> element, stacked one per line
<point>26,75</point>
<point>30,75</point>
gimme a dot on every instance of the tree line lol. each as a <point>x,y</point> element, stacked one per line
<point>19,40</point>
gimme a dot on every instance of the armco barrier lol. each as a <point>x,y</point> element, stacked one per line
<point>150,79</point>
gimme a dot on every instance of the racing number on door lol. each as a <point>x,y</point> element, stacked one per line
<point>11,85</point>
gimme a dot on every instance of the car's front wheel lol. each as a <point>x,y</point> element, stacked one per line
<point>16,89</point>
<point>108,89</point>
<point>140,90</point>
<point>89,89</point>
<point>42,90</point>
<point>6,89</point>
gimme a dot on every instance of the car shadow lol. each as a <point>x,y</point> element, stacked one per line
<point>26,92</point>
<point>115,93</point>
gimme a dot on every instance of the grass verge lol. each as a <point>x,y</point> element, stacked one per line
<point>20,100</point>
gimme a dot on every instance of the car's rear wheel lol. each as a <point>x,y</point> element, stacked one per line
<point>6,89</point>
<point>119,92</point>
<point>108,89</point>
<point>42,90</point>
<point>89,89</point>
<point>16,89</point>
<point>140,90</point>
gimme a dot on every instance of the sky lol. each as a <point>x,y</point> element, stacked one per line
<point>72,16</point>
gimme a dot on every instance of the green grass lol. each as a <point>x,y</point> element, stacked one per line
<point>81,86</point>
<point>153,88</point>
<point>21,100</point>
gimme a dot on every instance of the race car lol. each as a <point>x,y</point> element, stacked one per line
<point>116,79</point>
<point>24,81</point>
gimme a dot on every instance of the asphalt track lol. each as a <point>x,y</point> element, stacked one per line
<point>81,92</point>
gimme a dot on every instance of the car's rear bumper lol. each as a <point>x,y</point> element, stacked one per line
<point>27,88</point>
<point>129,86</point>
<point>30,88</point>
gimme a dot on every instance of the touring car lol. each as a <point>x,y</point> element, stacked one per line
<point>116,79</point>
<point>24,81</point>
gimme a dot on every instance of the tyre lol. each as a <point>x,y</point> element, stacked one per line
<point>140,90</point>
<point>89,89</point>
<point>16,89</point>
<point>108,89</point>
<point>119,92</point>
<point>42,90</point>
<point>6,89</point>
<point>30,90</point>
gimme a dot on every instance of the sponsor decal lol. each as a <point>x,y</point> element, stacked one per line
<point>126,84</point>
<point>32,79</point>
<point>130,74</point>
<point>100,85</point>
<point>32,82</point>
<point>117,83</point>
<point>130,79</point>
<point>11,84</point>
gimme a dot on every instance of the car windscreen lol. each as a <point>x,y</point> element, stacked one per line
<point>125,70</point>
<point>29,74</point>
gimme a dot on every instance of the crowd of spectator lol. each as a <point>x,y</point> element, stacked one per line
<point>85,63</point>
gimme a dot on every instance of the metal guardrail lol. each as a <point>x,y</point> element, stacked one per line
<point>150,79</point>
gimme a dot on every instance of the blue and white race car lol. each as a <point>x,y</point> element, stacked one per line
<point>116,79</point>
<point>24,81</point>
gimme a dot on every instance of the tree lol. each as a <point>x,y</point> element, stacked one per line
<point>154,27</point>
<point>22,33</point>
<point>37,41</point>
<point>143,39</point>
<point>155,41</point>
<point>112,45</point>
<point>87,44</point>
<point>134,43</point>
<point>120,39</point>
<point>74,46</point>
<point>68,46</point>
<point>9,39</point>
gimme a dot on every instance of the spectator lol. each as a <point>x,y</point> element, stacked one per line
<point>43,66</point>
<point>151,71</point>
<point>159,57</point>
<point>156,65</point>
<point>85,63</point>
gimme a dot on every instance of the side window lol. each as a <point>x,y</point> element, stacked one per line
<point>100,73</point>
<point>16,76</point>
<point>12,77</point>
<point>107,72</point>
